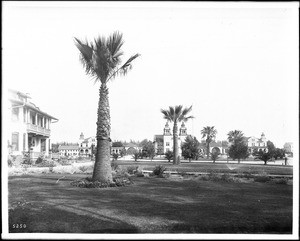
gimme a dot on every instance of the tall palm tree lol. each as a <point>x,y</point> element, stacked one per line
<point>235,136</point>
<point>176,114</point>
<point>101,59</point>
<point>208,132</point>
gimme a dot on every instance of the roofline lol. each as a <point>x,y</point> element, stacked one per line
<point>34,108</point>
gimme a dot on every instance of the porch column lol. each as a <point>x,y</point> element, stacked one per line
<point>26,141</point>
<point>28,116</point>
<point>43,121</point>
<point>36,118</point>
<point>47,146</point>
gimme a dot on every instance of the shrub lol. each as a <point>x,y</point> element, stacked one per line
<point>83,168</point>
<point>282,181</point>
<point>262,178</point>
<point>159,170</point>
<point>115,156</point>
<point>46,163</point>
<point>40,159</point>
<point>65,162</point>
<point>10,161</point>
<point>132,169</point>
<point>245,174</point>
<point>89,183</point>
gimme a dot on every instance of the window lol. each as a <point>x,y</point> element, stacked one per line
<point>15,141</point>
<point>15,114</point>
<point>43,145</point>
<point>167,144</point>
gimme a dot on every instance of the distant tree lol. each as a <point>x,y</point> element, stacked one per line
<point>117,144</point>
<point>238,150</point>
<point>264,156</point>
<point>215,155</point>
<point>115,156</point>
<point>176,114</point>
<point>148,149</point>
<point>169,155</point>
<point>190,148</point>
<point>235,136</point>
<point>279,153</point>
<point>136,156</point>
<point>208,132</point>
<point>54,147</point>
<point>271,148</point>
<point>123,152</point>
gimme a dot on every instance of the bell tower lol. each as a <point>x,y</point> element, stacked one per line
<point>182,131</point>
<point>167,130</point>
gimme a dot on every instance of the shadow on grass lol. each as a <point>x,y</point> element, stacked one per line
<point>150,206</point>
<point>55,220</point>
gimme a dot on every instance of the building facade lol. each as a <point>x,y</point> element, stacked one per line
<point>164,143</point>
<point>29,127</point>
<point>86,145</point>
<point>257,143</point>
<point>288,147</point>
<point>68,151</point>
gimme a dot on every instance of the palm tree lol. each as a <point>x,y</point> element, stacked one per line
<point>235,136</point>
<point>176,114</point>
<point>208,132</point>
<point>101,59</point>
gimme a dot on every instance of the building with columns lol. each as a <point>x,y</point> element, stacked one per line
<point>86,145</point>
<point>29,127</point>
<point>164,143</point>
<point>257,143</point>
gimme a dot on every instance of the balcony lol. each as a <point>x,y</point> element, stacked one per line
<point>38,130</point>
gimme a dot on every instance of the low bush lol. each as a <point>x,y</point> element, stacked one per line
<point>132,169</point>
<point>262,178</point>
<point>283,181</point>
<point>245,174</point>
<point>89,183</point>
<point>83,168</point>
<point>65,162</point>
<point>10,161</point>
<point>217,177</point>
<point>159,170</point>
<point>46,163</point>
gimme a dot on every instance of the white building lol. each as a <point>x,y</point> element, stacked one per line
<point>86,145</point>
<point>68,150</point>
<point>29,127</point>
<point>164,143</point>
<point>288,147</point>
<point>257,143</point>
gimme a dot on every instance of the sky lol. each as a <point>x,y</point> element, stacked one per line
<point>236,64</point>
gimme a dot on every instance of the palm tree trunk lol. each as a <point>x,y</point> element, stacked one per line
<point>207,149</point>
<point>102,167</point>
<point>175,144</point>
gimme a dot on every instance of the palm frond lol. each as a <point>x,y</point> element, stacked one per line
<point>166,114</point>
<point>186,110</point>
<point>86,54</point>
<point>114,44</point>
<point>124,68</point>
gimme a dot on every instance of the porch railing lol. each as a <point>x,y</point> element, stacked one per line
<point>38,129</point>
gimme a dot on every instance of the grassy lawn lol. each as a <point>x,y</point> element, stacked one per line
<point>150,205</point>
<point>212,167</point>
